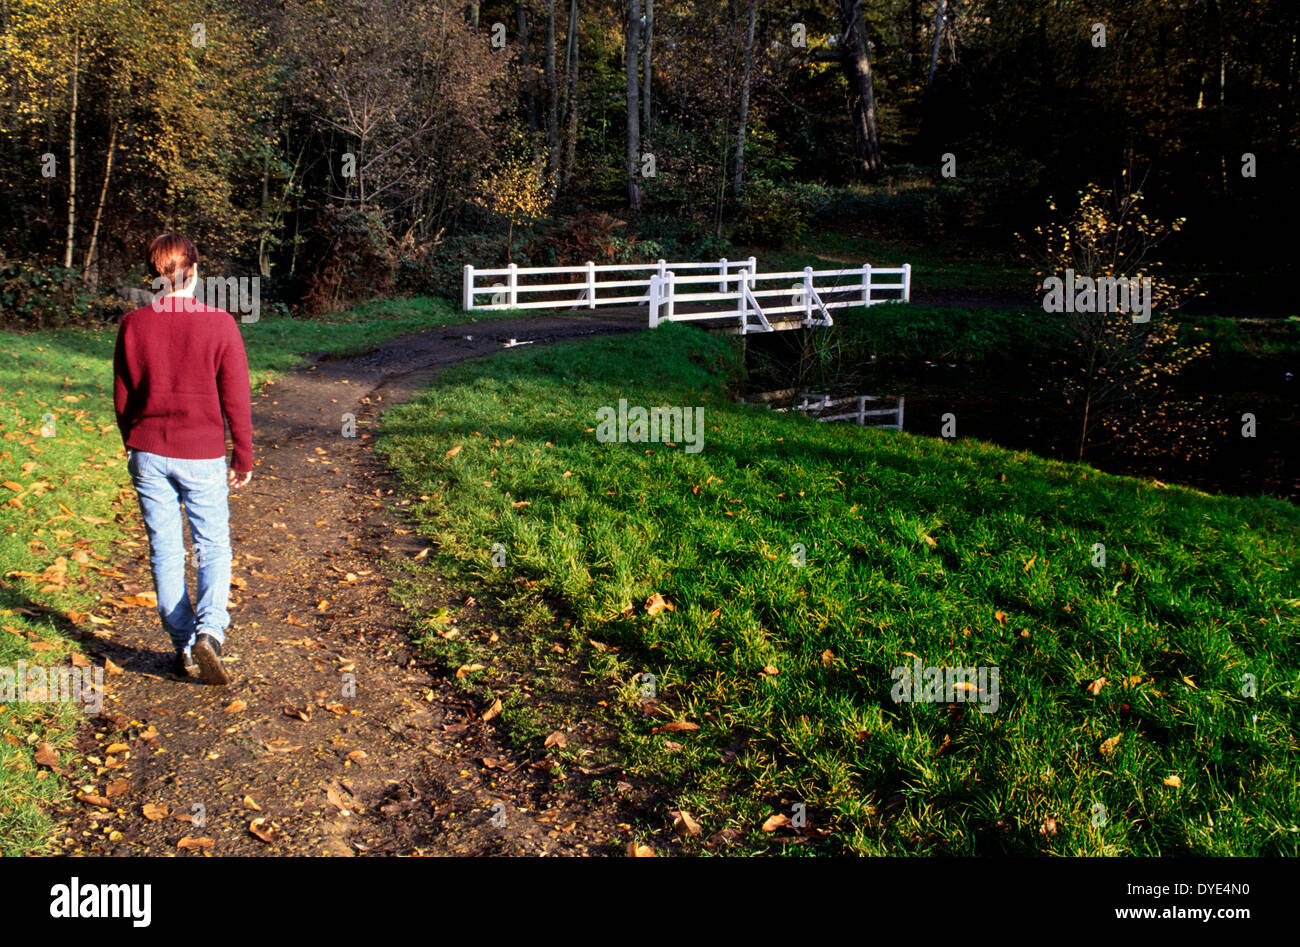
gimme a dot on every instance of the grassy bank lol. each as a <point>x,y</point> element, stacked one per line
<point>64,495</point>
<point>1145,704</point>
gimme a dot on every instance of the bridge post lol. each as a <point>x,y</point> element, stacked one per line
<point>907,282</point>
<point>807,295</point>
<point>655,282</point>
<point>866,284</point>
<point>591,285</point>
<point>722,271</point>
<point>468,296</point>
<point>753,273</point>
<point>742,304</point>
<point>514,286</point>
<point>668,277</point>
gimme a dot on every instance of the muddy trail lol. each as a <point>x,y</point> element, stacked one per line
<point>290,759</point>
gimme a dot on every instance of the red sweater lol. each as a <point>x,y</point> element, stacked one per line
<point>179,375</point>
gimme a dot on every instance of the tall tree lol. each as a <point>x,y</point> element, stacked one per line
<point>939,19</point>
<point>525,66</point>
<point>552,105</point>
<point>646,44</point>
<point>73,80</point>
<point>571,94</point>
<point>632,57</point>
<point>744,99</point>
<point>862,98</point>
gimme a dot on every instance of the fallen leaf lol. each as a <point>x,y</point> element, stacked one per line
<point>235,706</point>
<point>557,739</point>
<point>264,831</point>
<point>776,822</point>
<point>94,800</point>
<point>154,812</point>
<point>45,756</point>
<point>1174,781</point>
<point>657,603</point>
<point>454,451</point>
<point>1095,687</point>
<point>191,844</point>
<point>640,851</point>
<point>493,710</point>
<point>674,726</point>
<point>1108,746</point>
<point>1001,617</point>
<point>684,824</point>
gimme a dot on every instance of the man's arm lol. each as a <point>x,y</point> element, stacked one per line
<point>232,386</point>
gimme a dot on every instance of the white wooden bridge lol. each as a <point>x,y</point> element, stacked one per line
<point>732,294</point>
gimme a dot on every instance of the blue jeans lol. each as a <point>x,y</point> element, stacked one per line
<point>163,485</point>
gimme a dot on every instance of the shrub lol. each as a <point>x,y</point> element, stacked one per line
<point>40,297</point>
<point>771,218</point>
<point>355,261</point>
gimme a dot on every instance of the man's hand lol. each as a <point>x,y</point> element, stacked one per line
<point>237,480</point>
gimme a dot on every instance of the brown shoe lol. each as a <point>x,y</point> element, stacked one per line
<point>207,652</point>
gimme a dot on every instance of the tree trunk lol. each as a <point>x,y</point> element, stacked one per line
<point>571,93</point>
<point>99,209</point>
<point>472,15</point>
<point>72,157</point>
<point>862,98</point>
<point>739,181</point>
<point>645,66</point>
<point>631,56</point>
<point>552,105</point>
<point>530,98</point>
<point>938,34</point>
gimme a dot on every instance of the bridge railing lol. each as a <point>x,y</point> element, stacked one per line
<point>596,284</point>
<point>860,408</point>
<point>808,292</point>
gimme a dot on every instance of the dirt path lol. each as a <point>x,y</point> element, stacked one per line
<point>406,764</point>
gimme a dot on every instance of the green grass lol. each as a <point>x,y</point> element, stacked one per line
<point>72,488</point>
<point>943,265</point>
<point>960,553</point>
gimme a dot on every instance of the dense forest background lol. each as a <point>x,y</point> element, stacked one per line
<point>340,149</point>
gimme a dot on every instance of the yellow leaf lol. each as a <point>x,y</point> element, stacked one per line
<point>656,603</point>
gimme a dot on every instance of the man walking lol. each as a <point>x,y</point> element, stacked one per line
<point>180,375</point>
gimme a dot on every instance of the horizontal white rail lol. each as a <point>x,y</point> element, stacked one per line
<point>860,413</point>
<point>592,291</point>
<point>676,292</point>
<point>739,295</point>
